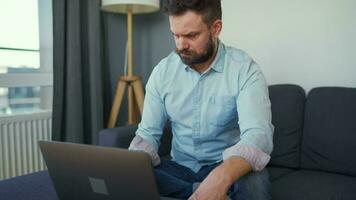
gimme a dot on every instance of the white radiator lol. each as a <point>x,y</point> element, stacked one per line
<point>19,152</point>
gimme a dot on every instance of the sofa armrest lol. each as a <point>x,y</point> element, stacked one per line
<point>122,137</point>
<point>117,137</point>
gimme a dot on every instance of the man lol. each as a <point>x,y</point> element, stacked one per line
<point>216,99</point>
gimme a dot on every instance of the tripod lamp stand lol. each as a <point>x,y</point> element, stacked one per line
<point>133,83</point>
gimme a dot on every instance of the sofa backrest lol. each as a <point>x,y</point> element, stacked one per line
<point>287,103</point>
<point>166,141</point>
<point>329,139</point>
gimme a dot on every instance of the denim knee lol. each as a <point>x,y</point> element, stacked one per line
<point>253,186</point>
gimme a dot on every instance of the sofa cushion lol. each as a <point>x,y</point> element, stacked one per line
<point>287,117</point>
<point>278,172</point>
<point>166,142</point>
<point>117,137</point>
<point>329,139</point>
<point>36,186</point>
<point>314,185</point>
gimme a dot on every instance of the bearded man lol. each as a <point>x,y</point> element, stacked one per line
<point>216,99</point>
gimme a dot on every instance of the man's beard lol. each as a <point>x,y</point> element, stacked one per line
<point>192,58</point>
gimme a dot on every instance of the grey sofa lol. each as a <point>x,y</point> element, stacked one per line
<point>313,156</point>
<point>314,143</point>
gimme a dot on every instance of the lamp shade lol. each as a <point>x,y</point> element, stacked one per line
<point>137,6</point>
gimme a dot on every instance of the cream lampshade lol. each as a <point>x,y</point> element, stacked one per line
<point>131,81</point>
<point>137,6</point>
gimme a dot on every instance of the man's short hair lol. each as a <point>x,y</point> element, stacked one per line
<point>209,9</point>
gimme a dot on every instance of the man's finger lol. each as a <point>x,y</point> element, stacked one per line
<point>193,197</point>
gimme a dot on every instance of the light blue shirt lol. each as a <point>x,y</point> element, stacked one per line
<point>227,105</point>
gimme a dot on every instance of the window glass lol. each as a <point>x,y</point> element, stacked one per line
<point>19,100</point>
<point>22,93</point>
<point>19,61</point>
<point>19,24</point>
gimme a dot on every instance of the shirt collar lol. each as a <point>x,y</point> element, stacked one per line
<point>219,60</point>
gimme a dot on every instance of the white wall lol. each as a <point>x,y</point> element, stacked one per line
<point>306,42</point>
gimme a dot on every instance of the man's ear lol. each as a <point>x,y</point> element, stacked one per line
<point>216,28</point>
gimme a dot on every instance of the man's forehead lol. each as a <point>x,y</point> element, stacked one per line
<point>186,23</point>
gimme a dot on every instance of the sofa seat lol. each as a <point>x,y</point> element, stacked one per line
<point>278,172</point>
<point>35,186</point>
<point>298,185</point>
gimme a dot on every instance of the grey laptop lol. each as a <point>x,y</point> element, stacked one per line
<point>99,173</point>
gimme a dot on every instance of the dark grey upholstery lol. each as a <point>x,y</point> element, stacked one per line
<point>329,141</point>
<point>117,137</point>
<point>287,117</point>
<point>278,172</point>
<point>35,186</point>
<point>122,136</point>
<point>313,185</point>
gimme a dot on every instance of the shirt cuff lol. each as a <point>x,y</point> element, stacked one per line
<point>139,144</point>
<point>255,157</point>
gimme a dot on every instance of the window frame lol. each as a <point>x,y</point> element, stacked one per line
<point>45,75</point>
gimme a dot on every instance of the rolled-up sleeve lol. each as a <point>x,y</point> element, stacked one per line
<point>255,119</point>
<point>139,144</point>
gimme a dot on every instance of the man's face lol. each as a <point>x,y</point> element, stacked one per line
<point>195,42</point>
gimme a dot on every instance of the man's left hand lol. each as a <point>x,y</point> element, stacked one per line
<point>214,186</point>
<point>217,183</point>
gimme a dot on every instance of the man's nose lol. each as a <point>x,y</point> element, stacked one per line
<point>181,43</point>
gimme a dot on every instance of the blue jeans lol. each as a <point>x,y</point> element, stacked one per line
<point>174,180</point>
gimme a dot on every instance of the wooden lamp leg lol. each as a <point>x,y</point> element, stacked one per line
<point>120,90</point>
<point>137,99</point>
<point>138,90</point>
<point>131,118</point>
<point>136,111</point>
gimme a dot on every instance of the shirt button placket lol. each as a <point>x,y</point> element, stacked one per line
<point>196,126</point>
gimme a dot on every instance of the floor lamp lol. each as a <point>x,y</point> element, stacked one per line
<point>133,83</point>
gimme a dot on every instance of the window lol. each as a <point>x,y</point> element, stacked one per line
<point>26,56</point>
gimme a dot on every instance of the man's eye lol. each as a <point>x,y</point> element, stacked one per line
<point>192,36</point>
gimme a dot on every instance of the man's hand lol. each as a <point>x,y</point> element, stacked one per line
<point>217,183</point>
<point>214,186</point>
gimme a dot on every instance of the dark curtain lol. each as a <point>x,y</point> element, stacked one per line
<point>79,73</point>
